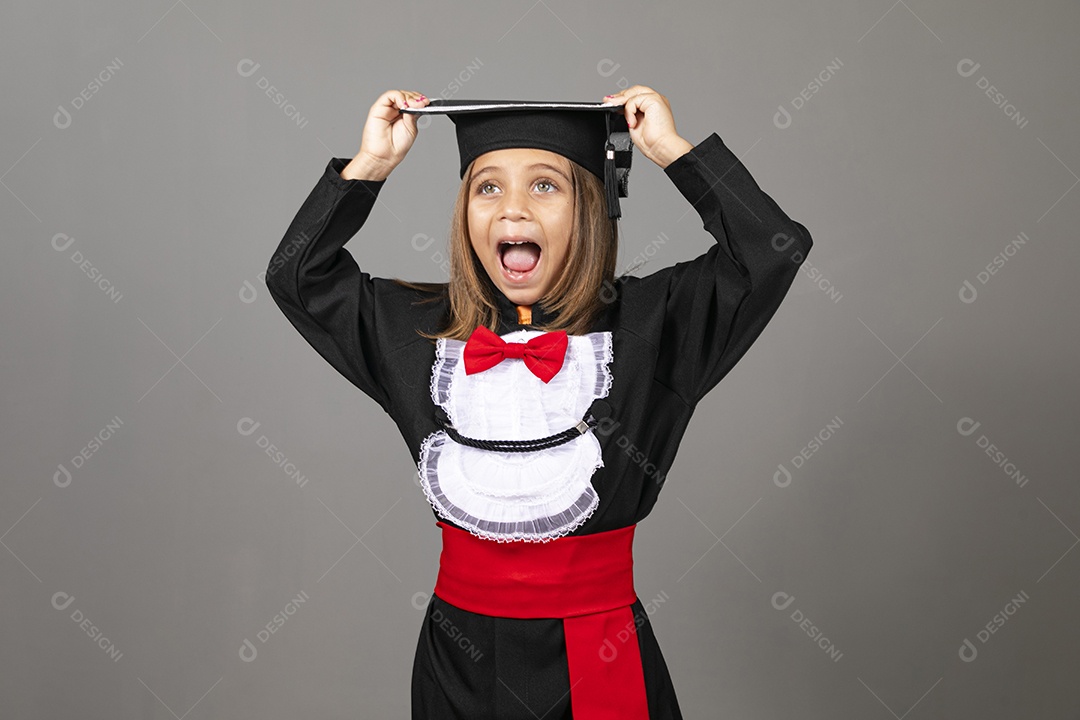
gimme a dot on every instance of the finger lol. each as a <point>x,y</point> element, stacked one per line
<point>409,121</point>
<point>643,102</point>
<point>415,100</point>
<point>404,98</point>
<point>631,91</point>
<point>411,97</point>
<point>633,103</point>
<point>386,107</point>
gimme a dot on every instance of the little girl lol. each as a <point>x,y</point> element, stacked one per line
<point>542,397</point>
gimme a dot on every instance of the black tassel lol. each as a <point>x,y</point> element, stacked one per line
<point>611,182</point>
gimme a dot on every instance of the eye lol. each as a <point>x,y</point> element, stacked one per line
<point>539,183</point>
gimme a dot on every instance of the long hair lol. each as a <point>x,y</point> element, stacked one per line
<point>574,302</point>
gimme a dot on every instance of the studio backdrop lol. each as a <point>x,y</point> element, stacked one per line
<point>875,514</point>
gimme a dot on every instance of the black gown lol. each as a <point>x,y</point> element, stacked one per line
<point>674,334</point>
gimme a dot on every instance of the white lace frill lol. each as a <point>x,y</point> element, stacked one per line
<point>512,496</point>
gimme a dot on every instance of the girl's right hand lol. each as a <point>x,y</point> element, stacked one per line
<point>388,133</point>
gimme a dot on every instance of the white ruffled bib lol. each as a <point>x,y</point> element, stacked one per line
<point>506,496</point>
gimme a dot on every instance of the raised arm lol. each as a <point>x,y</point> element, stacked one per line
<point>719,303</point>
<point>318,285</point>
<point>316,282</point>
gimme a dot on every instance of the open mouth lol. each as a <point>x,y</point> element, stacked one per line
<point>519,258</point>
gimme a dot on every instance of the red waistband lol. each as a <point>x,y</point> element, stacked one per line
<point>587,580</point>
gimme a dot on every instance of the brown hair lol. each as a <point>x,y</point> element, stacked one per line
<point>574,301</point>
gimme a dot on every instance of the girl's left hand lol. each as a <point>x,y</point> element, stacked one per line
<point>652,126</point>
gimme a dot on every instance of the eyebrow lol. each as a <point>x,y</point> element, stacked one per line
<point>490,168</point>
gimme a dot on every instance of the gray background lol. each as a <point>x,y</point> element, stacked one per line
<point>140,140</point>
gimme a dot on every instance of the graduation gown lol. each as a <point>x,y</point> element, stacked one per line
<point>663,342</point>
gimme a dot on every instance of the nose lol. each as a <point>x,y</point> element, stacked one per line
<point>515,203</point>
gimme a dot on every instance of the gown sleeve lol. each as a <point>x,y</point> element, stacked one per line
<point>719,303</point>
<point>318,285</point>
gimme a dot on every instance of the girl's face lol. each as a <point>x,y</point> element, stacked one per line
<point>521,194</point>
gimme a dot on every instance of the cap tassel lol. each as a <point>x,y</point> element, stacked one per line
<point>611,183</point>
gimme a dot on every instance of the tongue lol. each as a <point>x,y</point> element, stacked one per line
<point>521,258</point>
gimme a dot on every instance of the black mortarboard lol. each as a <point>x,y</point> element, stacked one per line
<point>594,135</point>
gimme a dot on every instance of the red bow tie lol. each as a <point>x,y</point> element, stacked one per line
<point>543,354</point>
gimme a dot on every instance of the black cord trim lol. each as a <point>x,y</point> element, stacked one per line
<point>517,445</point>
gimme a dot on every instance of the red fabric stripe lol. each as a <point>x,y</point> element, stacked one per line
<point>587,580</point>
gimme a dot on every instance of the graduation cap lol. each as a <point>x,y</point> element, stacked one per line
<point>592,134</point>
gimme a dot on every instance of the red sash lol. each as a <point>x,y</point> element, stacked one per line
<point>587,580</point>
